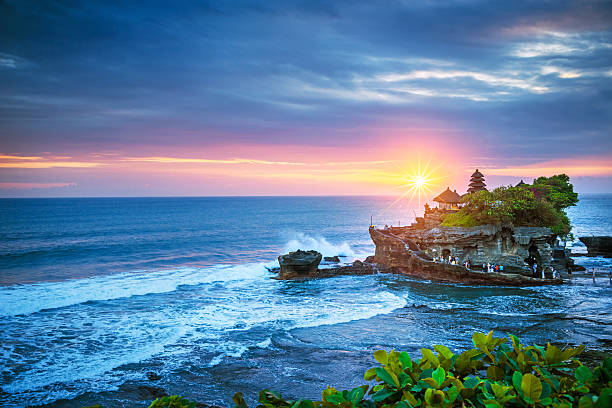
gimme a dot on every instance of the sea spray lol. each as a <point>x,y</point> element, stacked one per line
<point>306,242</point>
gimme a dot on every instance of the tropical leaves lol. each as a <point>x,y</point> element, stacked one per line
<point>497,372</point>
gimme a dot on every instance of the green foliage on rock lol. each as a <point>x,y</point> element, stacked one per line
<point>541,204</point>
<point>497,372</point>
<point>459,219</point>
<point>174,401</point>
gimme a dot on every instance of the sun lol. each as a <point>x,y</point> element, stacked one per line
<point>417,182</point>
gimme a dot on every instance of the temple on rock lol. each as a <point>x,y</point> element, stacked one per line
<point>413,249</point>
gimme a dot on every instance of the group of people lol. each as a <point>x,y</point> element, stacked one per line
<point>450,260</point>
<point>490,268</point>
<point>553,272</point>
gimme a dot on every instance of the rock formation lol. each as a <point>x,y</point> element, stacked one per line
<point>299,263</point>
<point>598,246</point>
<point>334,259</point>
<point>356,268</point>
<point>506,246</point>
<point>403,250</point>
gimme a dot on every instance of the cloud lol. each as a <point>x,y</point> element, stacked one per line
<point>183,160</point>
<point>504,81</point>
<point>574,167</point>
<point>30,185</point>
<point>9,61</point>
<point>39,162</point>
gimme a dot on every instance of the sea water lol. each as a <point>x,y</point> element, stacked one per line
<point>96,293</point>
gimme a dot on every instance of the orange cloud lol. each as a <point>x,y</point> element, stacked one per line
<point>35,185</point>
<point>592,167</point>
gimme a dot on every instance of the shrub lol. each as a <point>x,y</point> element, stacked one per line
<point>459,219</point>
<point>540,205</point>
<point>493,374</point>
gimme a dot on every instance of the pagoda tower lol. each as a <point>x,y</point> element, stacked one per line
<point>476,182</point>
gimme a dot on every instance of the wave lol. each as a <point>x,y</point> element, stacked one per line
<point>320,244</point>
<point>28,299</point>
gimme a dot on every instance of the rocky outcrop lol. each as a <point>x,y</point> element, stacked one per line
<point>299,263</point>
<point>507,246</point>
<point>403,255</point>
<point>598,246</point>
<point>333,259</point>
<point>356,268</point>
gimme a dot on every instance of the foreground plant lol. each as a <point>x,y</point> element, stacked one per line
<point>493,374</point>
<point>497,372</point>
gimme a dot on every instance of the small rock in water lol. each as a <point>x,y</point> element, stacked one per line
<point>332,259</point>
<point>299,263</point>
<point>153,376</point>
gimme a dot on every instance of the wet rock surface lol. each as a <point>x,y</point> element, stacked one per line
<point>299,263</point>
<point>598,246</point>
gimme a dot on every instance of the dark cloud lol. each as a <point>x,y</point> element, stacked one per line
<point>526,77</point>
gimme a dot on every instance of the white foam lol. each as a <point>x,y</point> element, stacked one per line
<point>84,343</point>
<point>320,244</point>
<point>27,299</point>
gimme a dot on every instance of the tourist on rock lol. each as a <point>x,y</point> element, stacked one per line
<point>484,267</point>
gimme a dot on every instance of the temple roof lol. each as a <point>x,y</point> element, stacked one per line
<point>477,174</point>
<point>448,196</point>
<point>477,183</point>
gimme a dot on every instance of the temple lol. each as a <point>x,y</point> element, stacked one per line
<point>476,183</point>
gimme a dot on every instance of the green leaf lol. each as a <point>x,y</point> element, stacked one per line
<point>531,387</point>
<point>583,374</point>
<point>515,343</point>
<point>404,358</point>
<point>546,401</point>
<point>517,379</point>
<point>495,373</point>
<point>381,356</point>
<point>429,356</point>
<point>356,395</point>
<point>471,382</point>
<point>336,398</point>
<point>605,399</point>
<point>434,397</point>
<point>404,379</point>
<point>439,375</point>
<point>382,395</point>
<point>545,390</point>
<point>370,374</point>
<point>585,402</point>
<point>452,393</point>
<point>239,400</point>
<point>444,351</point>
<point>479,340</point>
<point>387,377</point>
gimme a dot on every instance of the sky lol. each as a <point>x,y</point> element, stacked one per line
<point>158,98</point>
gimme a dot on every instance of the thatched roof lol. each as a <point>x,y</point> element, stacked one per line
<point>448,196</point>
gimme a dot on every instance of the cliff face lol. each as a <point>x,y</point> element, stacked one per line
<point>505,246</point>
<point>397,250</point>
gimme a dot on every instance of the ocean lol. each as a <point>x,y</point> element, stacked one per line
<point>95,293</point>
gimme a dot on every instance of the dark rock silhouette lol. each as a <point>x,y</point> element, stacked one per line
<point>598,246</point>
